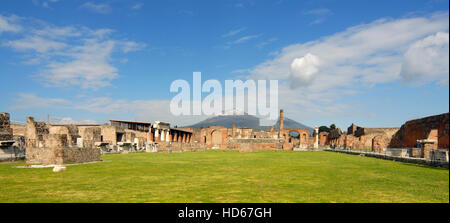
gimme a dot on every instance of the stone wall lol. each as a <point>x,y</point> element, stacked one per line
<point>419,129</point>
<point>323,138</point>
<point>34,134</point>
<point>18,130</point>
<point>380,142</point>
<point>80,155</point>
<point>6,132</point>
<point>70,130</point>
<point>168,147</point>
<point>46,144</point>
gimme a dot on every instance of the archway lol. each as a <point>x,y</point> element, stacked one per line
<point>304,139</point>
<point>294,137</point>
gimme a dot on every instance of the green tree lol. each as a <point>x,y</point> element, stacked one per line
<point>324,129</point>
<point>332,126</point>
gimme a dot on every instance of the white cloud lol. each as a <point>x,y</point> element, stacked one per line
<point>352,60</point>
<point>130,46</point>
<point>233,32</point>
<point>359,53</point>
<point>89,67</point>
<point>69,121</point>
<point>245,39</point>
<point>7,24</point>
<point>264,43</point>
<point>143,110</point>
<point>71,55</point>
<point>45,4</point>
<point>318,15</point>
<point>318,12</point>
<point>137,6</point>
<point>427,60</point>
<point>102,8</point>
<point>35,43</point>
<point>26,101</point>
<point>303,70</point>
<point>57,32</point>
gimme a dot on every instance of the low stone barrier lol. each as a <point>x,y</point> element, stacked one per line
<point>423,161</point>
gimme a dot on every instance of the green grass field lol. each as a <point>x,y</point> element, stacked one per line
<point>228,176</point>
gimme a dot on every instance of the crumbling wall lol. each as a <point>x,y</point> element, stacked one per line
<point>323,138</point>
<point>34,134</point>
<point>380,142</point>
<point>18,130</point>
<point>91,136</point>
<point>57,147</point>
<point>419,129</point>
<point>50,151</point>
<point>70,130</point>
<point>6,132</point>
<point>80,155</point>
<point>109,134</point>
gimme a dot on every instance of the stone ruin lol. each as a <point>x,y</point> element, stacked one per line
<point>426,138</point>
<point>247,139</point>
<point>11,146</point>
<point>58,146</point>
<point>6,138</point>
<point>6,133</point>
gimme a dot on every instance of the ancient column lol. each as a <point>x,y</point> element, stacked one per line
<point>157,137</point>
<point>167,136</point>
<point>281,119</point>
<point>280,134</point>
<point>175,136</point>
<point>233,130</point>
<point>316,137</point>
<point>162,135</point>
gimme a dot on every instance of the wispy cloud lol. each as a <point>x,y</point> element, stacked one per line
<point>44,3</point>
<point>71,56</point>
<point>137,6</point>
<point>186,12</point>
<point>315,76</point>
<point>245,39</point>
<point>102,8</point>
<point>264,43</point>
<point>318,12</point>
<point>9,24</point>
<point>318,15</point>
<point>233,32</point>
<point>141,109</point>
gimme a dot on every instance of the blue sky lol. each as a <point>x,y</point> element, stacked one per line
<point>373,63</point>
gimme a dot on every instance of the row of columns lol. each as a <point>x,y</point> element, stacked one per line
<point>164,135</point>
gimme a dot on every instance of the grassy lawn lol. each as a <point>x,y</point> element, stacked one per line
<point>228,176</point>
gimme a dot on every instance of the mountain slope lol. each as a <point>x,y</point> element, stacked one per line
<point>245,121</point>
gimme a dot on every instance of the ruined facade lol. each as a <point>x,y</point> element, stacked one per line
<point>422,138</point>
<point>58,145</point>
<point>6,138</point>
<point>433,127</point>
<point>6,132</point>
<point>248,139</point>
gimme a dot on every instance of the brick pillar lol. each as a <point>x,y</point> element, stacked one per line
<point>233,130</point>
<point>280,132</point>
<point>175,136</point>
<point>281,119</point>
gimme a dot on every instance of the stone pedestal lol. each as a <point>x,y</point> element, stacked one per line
<point>427,146</point>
